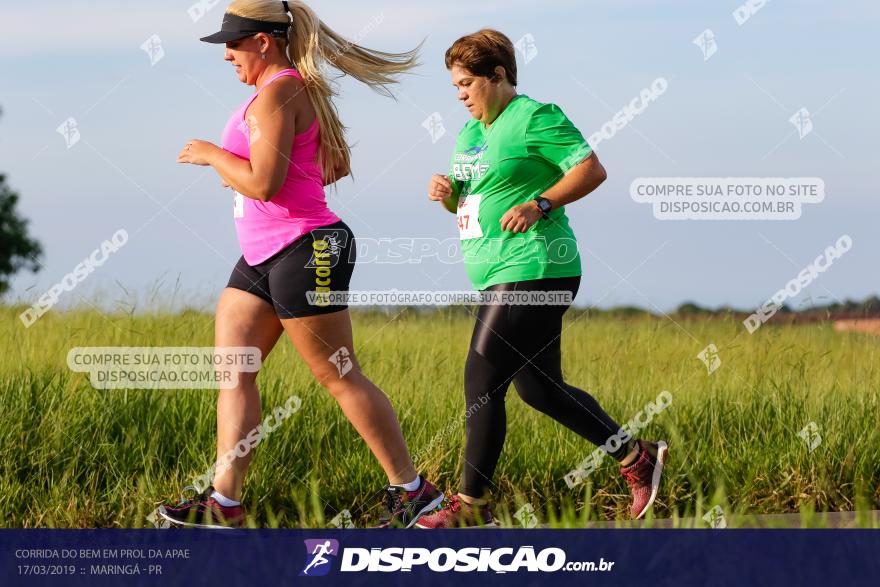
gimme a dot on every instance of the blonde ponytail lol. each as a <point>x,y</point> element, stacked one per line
<point>313,45</point>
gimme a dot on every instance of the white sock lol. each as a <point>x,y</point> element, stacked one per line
<point>223,500</point>
<point>412,485</point>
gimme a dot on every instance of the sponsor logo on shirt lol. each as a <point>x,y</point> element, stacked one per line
<point>469,171</point>
<point>473,154</point>
<point>468,164</point>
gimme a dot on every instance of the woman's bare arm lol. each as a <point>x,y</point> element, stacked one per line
<point>272,122</point>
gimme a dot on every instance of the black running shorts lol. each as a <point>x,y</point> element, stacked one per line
<point>318,262</point>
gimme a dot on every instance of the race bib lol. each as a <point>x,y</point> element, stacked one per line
<point>469,217</point>
<point>238,206</point>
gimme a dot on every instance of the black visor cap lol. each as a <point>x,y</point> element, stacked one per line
<point>237,27</point>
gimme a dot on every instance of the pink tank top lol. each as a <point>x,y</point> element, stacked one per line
<point>264,228</point>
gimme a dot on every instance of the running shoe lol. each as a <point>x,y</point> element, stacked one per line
<point>402,508</point>
<point>643,476</point>
<point>458,514</point>
<point>203,511</point>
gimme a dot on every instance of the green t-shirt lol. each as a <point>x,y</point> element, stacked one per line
<point>527,150</point>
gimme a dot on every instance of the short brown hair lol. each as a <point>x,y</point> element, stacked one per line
<point>481,52</point>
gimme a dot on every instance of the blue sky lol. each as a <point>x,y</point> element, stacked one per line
<point>724,117</point>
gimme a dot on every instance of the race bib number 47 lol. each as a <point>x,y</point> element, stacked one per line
<point>469,217</point>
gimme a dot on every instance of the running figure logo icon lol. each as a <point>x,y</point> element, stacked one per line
<point>153,48</point>
<point>328,245</point>
<point>710,358</point>
<point>342,359</point>
<point>527,48</point>
<point>317,553</point>
<point>69,131</point>
<point>802,122</point>
<point>706,42</point>
<point>434,125</point>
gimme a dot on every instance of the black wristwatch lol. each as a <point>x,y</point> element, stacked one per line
<point>544,205</point>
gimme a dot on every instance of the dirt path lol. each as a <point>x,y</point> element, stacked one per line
<point>866,325</point>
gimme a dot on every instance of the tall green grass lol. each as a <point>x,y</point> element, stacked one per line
<point>73,456</point>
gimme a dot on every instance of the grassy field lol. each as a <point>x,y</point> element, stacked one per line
<point>73,456</point>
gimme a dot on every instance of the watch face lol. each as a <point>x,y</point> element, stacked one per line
<point>544,205</point>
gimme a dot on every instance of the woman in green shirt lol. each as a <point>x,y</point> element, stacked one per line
<point>517,163</point>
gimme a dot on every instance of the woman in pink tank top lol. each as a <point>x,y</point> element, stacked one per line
<point>277,152</point>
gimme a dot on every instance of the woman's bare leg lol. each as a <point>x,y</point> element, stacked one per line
<point>242,319</point>
<point>325,344</point>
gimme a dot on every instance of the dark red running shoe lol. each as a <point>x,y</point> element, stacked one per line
<point>643,476</point>
<point>402,509</point>
<point>458,514</point>
<point>203,511</point>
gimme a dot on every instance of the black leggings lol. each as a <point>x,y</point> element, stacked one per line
<point>522,344</point>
